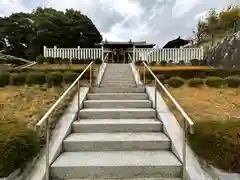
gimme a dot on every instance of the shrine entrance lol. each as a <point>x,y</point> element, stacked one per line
<point>121,52</point>
<point>118,55</point>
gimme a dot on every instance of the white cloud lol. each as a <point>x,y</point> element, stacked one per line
<point>201,16</point>
<point>7,7</point>
<point>156,21</point>
<point>182,7</point>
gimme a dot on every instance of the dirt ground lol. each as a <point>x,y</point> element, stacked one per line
<point>204,103</point>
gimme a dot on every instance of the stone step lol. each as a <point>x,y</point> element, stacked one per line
<point>118,82</point>
<point>117,96</point>
<point>137,113</point>
<point>116,164</point>
<point>78,142</point>
<point>130,179</point>
<point>117,90</point>
<point>117,104</point>
<point>123,77</point>
<point>118,85</point>
<point>118,79</point>
<point>116,125</point>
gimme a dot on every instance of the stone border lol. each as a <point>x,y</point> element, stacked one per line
<point>61,131</point>
<point>101,72</point>
<point>136,74</point>
<point>173,129</point>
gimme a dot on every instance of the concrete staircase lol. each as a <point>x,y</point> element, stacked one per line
<point>118,135</point>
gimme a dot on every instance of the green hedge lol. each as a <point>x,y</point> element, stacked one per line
<point>233,81</point>
<point>18,145</point>
<point>39,78</point>
<point>4,79</point>
<point>175,82</point>
<point>195,82</point>
<point>217,82</point>
<point>218,143</point>
<point>193,73</point>
<point>59,60</point>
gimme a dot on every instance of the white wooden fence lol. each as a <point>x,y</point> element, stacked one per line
<point>80,53</point>
<point>147,54</point>
<point>174,54</point>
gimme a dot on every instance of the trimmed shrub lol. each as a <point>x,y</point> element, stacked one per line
<point>57,60</point>
<point>54,78</point>
<point>35,78</point>
<point>195,82</point>
<point>153,63</point>
<point>182,62</point>
<point>161,77</point>
<point>175,82</point>
<point>218,143</point>
<point>163,63</point>
<point>18,145</point>
<point>69,77</point>
<point>4,79</point>
<point>65,61</point>
<point>215,82</point>
<point>76,61</point>
<point>203,62</point>
<point>233,81</point>
<point>40,59</point>
<point>18,78</point>
<point>49,60</point>
<point>139,63</point>
<point>194,62</point>
<point>98,61</point>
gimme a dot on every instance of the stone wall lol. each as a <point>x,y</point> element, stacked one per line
<point>226,53</point>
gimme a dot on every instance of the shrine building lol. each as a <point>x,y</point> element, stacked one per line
<point>121,52</point>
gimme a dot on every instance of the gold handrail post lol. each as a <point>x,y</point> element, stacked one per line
<point>47,150</point>
<point>155,84</point>
<point>78,98</point>
<point>144,74</point>
<point>184,149</point>
<point>90,69</point>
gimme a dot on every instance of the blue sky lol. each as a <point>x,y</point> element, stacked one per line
<point>156,21</point>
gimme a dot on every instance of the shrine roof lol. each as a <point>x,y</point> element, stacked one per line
<point>126,44</point>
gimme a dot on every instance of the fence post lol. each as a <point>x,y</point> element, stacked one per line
<point>102,53</point>
<point>55,51</point>
<point>200,53</point>
<point>78,52</point>
<point>134,57</point>
<point>44,51</point>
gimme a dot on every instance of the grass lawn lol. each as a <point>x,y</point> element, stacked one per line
<point>205,104</point>
<point>62,66</point>
<point>3,66</point>
<point>216,116</point>
<point>21,107</point>
<point>28,104</point>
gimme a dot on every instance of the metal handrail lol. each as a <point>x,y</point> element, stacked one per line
<point>188,123</point>
<point>44,120</point>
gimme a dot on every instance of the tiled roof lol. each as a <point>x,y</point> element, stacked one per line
<point>126,42</point>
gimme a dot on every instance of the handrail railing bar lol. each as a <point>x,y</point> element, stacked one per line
<point>170,96</point>
<point>185,117</point>
<point>62,97</point>
<point>44,119</point>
